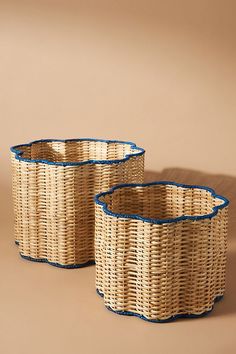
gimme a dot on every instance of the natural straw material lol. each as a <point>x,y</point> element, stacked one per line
<point>54,183</point>
<point>160,249</point>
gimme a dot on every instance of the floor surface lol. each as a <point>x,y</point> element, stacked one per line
<point>48,310</point>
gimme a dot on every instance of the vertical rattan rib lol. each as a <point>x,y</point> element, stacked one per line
<point>54,183</point>
<point>160,250</point>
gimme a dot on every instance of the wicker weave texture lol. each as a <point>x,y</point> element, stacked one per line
<point>54,183</point>
<point>152,260</point>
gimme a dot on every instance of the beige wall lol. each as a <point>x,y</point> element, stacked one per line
<point>160,73</point>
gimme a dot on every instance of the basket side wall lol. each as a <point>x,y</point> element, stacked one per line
<point>54,207</point>
<point>160,271</point>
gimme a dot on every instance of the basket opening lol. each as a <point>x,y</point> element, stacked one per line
<point>161,201</point>
<point>76,151</point>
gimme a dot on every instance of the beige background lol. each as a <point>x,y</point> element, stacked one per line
<point>160,73</point>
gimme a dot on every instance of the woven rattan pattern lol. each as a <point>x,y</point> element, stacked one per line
<point>54,183</point>
<point>160,250</point>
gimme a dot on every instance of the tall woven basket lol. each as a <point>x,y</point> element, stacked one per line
<point>160,249</point>
<point>54,183</point>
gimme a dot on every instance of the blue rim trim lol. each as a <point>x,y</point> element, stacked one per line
<point>170,319</point>
<point>58,265</point>
<point>18,153</point>
<point>161,221</point>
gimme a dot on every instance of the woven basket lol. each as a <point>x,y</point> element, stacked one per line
<point>160,249</point>
<point>54,183</point>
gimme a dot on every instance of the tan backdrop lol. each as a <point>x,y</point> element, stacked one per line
<point>160,73</point>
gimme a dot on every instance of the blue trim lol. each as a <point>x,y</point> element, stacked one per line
<point>18,153</point>
<point>170,319</point>
<point>161,221</point>
<point>70,266</point>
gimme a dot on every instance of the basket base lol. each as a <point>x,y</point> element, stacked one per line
<point>170,319</point>
<point>58,265</point>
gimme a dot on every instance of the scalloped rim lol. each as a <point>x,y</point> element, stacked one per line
<point>18,153</point>
<point>58,265</point>
<point>161,221</point>
<point>170,319</point>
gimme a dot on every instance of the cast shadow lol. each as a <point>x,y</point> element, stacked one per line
<point>226,186</point>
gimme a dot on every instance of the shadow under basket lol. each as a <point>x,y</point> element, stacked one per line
<point>54,183</point>
<point>160,249</point>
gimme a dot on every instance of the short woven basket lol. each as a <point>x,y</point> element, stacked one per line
<point>54,183</point>
<point>160,249</point>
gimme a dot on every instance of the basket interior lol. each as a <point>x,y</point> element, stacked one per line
<point>161,201</point>
<point>76,151</point>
